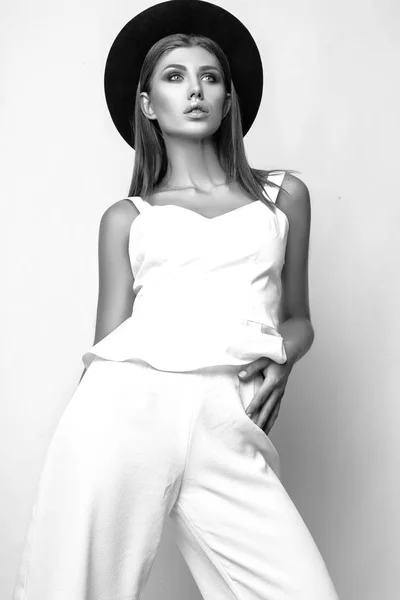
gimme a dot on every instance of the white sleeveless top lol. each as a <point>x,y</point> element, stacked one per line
<point>208,290</point>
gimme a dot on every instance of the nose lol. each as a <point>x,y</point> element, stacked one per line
<point>195,90</point>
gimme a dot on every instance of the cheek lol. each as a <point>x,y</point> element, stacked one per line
<point>218,101</point>
<point>165,103</point>
<point>163,108</point>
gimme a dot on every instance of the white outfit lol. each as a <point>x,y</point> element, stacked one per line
<point>207,290</point>
<point>157,432</point>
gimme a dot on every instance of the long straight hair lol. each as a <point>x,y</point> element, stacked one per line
<point>151,160</point>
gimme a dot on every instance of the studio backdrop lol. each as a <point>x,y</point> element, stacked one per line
<point>330,111</point>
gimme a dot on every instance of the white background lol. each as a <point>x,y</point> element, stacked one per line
<point>329,110</point>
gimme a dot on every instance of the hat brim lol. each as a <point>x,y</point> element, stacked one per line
<point>127,53</point>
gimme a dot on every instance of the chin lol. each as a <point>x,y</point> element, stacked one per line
<point>197,130</point>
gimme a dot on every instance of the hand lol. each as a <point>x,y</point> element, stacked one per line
<point>264,407</point>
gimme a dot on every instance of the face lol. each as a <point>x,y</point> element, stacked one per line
<point>182,78</point>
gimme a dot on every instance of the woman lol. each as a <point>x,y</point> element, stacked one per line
<point>190,282</point>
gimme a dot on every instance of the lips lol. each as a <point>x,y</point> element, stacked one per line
<point>196,108</point>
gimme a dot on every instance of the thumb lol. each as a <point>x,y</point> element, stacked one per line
<point>248,370</point>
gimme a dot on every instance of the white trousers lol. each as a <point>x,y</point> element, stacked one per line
<point>136,446</point>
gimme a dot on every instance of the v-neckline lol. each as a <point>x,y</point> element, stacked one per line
<point>197,214</point>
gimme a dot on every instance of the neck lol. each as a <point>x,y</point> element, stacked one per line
<point>192,164</point>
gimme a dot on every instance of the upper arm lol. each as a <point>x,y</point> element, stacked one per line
<point>297,208</point>
<point>116,296</point>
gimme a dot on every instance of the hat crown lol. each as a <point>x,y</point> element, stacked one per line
<point>132,44</point>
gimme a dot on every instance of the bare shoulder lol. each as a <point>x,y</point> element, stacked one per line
<point>115,223</point>
<point>296,201</point>
<point>120,214</point>
<point>113,245</point>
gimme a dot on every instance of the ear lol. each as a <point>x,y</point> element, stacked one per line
<point>227,105</point>
<point>146,106</point>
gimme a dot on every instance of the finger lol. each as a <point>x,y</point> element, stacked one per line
<point>254,416</point>
<point>264,411</point>
<point>274,415</point>
<point>262,396</point>
<point>248,370</point>
<point>267,409</point>
<point>257,402</point>
<point>271,422</point>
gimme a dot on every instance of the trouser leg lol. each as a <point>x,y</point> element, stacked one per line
<point>236,526</point>
<point>111,475</point>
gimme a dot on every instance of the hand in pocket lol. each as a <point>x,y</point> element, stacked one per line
<point>270,388</point>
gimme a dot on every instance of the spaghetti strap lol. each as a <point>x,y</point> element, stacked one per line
<point>140,204</point>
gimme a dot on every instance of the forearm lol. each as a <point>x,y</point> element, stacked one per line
<point>298,336</point>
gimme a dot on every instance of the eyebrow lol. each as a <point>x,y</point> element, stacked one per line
<point>202,68</point>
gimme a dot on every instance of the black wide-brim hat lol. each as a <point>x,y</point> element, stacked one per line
<point>127,53</point>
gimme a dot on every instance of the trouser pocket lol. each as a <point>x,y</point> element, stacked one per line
<point>247,389</point>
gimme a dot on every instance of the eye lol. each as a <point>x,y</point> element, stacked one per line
<point>213,78</point>
<point>170,77</point>
<point>210,77</point>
